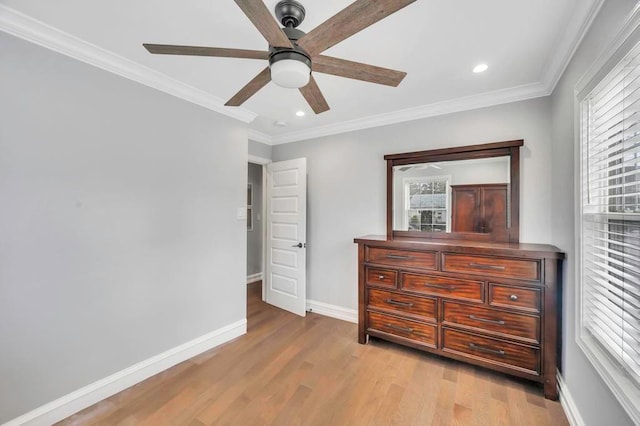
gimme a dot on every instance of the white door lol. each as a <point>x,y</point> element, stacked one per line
<point>286,235</point>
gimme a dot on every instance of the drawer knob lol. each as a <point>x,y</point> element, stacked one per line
<point>513,297</point>
<point>381,277</point>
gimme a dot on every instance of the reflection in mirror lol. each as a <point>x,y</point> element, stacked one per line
<point>452,196</point>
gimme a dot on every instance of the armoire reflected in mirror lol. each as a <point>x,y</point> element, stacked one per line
<point>462,192</point>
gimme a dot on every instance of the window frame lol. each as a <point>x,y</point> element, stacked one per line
<point>406,181</point>
<point>625,390</point>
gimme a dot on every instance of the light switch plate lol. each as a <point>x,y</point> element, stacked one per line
<point>242,213</point>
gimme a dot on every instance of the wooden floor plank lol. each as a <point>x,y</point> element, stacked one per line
<point>289,370</point>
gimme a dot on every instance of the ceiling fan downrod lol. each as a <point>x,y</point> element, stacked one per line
<point>290,13</point>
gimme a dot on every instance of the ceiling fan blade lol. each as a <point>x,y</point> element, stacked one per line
<point>168,49</point>
<point>355,17</point>
<point>251,88</point>
<point>357,70</point>
<point>262,19</point>
<point>313,95</point>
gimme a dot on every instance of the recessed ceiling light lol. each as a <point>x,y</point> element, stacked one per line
<point>300,113</point>
<point>280,123</point>
<point>480,68</point>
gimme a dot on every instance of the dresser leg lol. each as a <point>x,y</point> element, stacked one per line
<point>551,389</point>
<point>362,338</point>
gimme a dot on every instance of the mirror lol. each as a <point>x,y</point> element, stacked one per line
<point>426,194</point>
<point>464,193</point>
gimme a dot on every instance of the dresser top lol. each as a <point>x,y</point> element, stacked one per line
<point>463,246</point>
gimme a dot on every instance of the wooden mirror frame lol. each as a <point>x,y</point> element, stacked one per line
<point>509,149</point>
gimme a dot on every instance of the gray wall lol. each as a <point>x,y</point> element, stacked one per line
<point>254,237</point>
<point>119,237</point>
<point>347,183</point>
<point>259,149</point>
<point>592,397</point>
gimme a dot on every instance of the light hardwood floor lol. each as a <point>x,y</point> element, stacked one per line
<point>289,370</point>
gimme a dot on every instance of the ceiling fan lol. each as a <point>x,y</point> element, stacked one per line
<point>293,54</point>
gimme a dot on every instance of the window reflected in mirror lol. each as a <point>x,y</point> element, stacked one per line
<point>426,203</point>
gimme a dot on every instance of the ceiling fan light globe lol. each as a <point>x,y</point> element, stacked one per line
<point>290,73</point>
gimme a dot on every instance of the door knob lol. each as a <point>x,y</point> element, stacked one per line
<point>299,245</point>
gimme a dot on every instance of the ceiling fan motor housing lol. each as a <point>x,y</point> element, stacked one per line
<point>297,53</point>
<point>290,13</point>
<point>290,68</point>
<point>284,54</point>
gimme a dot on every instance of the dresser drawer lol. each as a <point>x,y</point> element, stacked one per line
<point>524,299</point>
<point>406,258</point>
<point>425,334</point>
<point>508,324</point>
<point>419,307</point>
<point>492,266</point>
<point>382,277</point>
<point>513,355</point>
<point>453,288</point>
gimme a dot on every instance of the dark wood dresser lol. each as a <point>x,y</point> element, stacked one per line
<point>490,304</point>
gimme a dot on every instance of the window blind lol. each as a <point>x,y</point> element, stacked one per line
<point>611,214</point>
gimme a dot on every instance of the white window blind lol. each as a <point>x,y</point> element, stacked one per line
<point>610,151</point>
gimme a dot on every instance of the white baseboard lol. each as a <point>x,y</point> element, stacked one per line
<point>82,398</point>
<point>568,404</point>
<point>332,311</point>
<point>253,278</point>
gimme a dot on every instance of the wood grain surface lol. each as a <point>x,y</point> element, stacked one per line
<point>263,20</point>
<point>354,18</point>
<point>357,70</point>
<point>251,88</point>
<point>451,288</point>
<point>221,52</point>
<point>314,97</point>
<point>393,257</point>
<point>289,370</point>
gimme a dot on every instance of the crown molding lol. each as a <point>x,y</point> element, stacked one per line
<point>581,19</point>
<point>27,28</point>
<point>503,96</point>
<point>613,52</point>
<point>35,31</point>
<point>257,136</point>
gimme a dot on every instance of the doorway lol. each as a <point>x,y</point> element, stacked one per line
<point>255,223</point>
<point>276,232</point>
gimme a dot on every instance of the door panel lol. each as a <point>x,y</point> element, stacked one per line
<point>286,235</point>
<point>494,209</point>
<point>464,205</point>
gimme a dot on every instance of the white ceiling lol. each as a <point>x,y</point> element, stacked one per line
<point>437,42</point>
